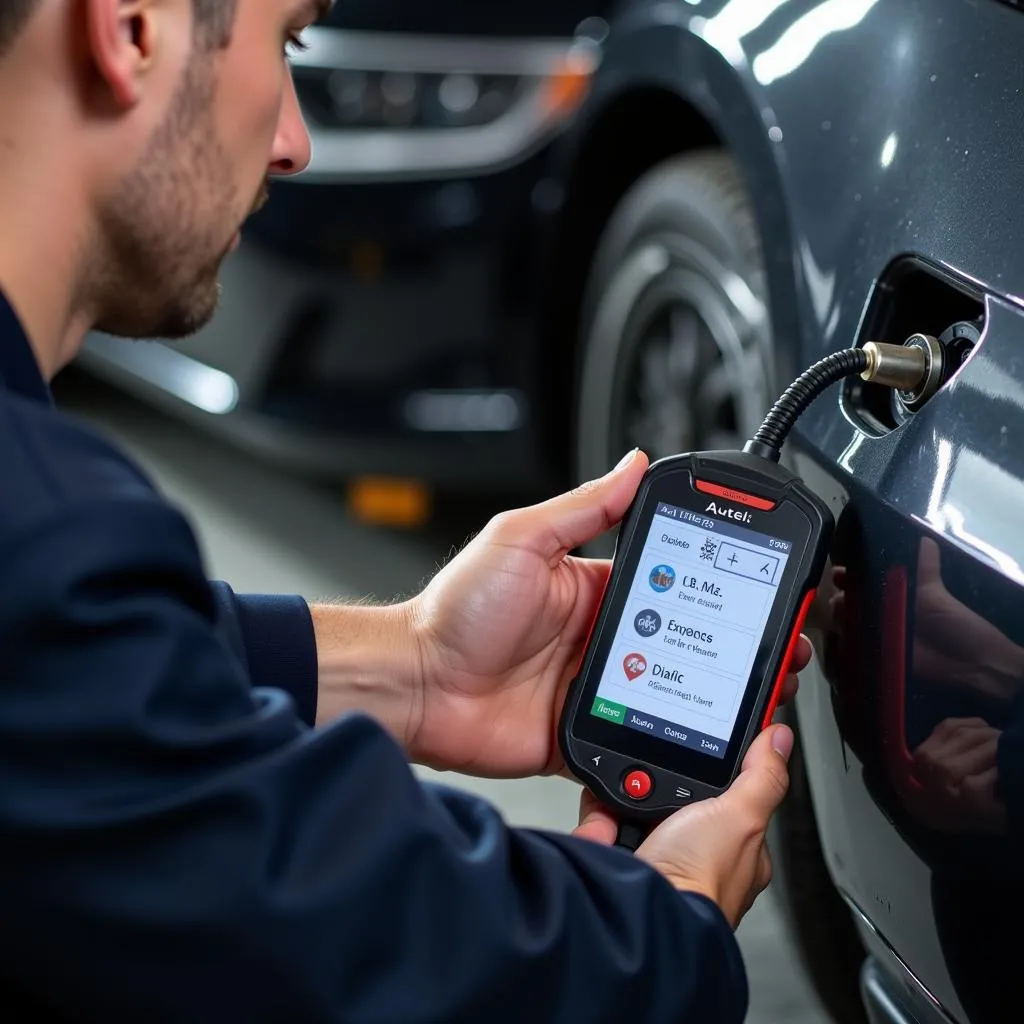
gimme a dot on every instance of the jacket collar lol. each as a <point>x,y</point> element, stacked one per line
<point>19,371</point>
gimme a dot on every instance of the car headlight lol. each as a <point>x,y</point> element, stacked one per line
<point>382,103</point>
<point>351,98</point>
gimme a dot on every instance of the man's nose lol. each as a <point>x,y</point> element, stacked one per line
<point>292,148</point>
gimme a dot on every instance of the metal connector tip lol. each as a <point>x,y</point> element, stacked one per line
<point>902,367</point>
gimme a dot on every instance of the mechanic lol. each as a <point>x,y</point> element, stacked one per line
<point>207,810</point>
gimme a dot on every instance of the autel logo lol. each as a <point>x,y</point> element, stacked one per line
<point>729,513</point>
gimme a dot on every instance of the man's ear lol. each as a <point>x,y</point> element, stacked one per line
<point>121,38</point>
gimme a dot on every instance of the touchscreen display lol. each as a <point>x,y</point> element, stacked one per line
<point>693,621</point>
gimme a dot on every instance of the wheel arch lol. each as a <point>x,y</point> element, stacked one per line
<point>662,91</point>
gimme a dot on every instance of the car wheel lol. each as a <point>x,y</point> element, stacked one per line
<point>818,919</point>
<point>675,347</point>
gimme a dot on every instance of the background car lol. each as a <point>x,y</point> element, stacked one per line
<point>381,315</point>
<point>872,147</point>
<point>501,271</point>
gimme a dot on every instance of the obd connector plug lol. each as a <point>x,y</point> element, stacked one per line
<point>914,370</point>
<point>908,368</point>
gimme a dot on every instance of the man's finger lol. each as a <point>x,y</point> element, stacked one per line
<point>789,689</point>
<point>596,823</point>
<point>801,658</point>
<point>983,784</point>
<point>801,654</point>
<point>929,561</point>
<point>558,526</point>
<point>951,731</point>
<point>764,868</point>
<point>764,779</point>
<point>976,759</point>
<point>592,579</point>
<point>966,739</point>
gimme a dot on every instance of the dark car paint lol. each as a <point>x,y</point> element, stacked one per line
<point>452,298</point>
<point>495,18</point>
<point>898,132</point>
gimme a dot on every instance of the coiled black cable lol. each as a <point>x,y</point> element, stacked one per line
<point>771,436</point>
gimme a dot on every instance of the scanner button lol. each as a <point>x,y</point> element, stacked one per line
<point>637,785</point>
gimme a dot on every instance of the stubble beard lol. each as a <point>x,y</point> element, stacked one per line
<point>162,234</point>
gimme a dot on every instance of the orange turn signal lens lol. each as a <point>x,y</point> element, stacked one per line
<point>568,85</point>
<point>385,502</point>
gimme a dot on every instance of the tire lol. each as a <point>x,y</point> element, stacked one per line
<point>684,236</point>
<point>816,916</point>
<point>675,349</point>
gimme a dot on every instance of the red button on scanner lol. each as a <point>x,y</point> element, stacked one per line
<point>637,785</point>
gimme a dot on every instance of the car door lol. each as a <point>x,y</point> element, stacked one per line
<point>900,132</point>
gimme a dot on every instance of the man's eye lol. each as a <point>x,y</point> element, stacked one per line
<point>295,43</point>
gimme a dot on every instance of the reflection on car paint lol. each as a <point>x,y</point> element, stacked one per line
<point>924,648</point>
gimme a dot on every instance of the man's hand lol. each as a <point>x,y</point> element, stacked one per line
<point>471,675</point>
<point>502,629</point>
<point>717,847</point>
<point>954,645</point>
<point>956,771</point>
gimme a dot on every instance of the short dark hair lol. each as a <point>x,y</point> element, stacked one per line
<point>13,15</point>
<point>213,21</point>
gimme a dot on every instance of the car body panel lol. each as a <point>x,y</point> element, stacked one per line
<point>870,130</point>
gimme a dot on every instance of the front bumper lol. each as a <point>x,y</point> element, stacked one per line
<point>383,358</point>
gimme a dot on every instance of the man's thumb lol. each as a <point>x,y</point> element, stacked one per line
<point>582,515</point>
<point>929,561</point>
<point>764,779</point>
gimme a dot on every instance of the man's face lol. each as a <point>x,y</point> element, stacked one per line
<point>168,225</point>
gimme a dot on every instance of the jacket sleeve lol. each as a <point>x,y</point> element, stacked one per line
<point>272,637</point>
<point>179,846</point>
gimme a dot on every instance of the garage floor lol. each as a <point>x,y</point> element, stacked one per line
<point>266,532</point>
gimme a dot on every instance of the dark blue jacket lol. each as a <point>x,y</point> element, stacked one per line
<point>177,843</point>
